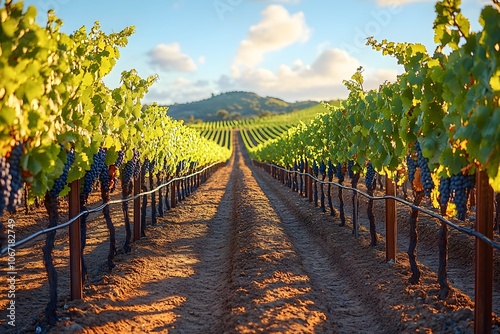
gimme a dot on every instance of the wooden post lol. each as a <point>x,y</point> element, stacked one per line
<point>75,249</point>
<point>137,209</point>
<point>390,222</point>
<point>484,256</point>
<point>173,195</point>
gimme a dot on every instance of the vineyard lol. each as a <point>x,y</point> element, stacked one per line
<point>248,225</point>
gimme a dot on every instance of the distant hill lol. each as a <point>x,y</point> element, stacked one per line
<point>234,105</point>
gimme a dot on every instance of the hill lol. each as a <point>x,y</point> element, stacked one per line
<point>234,105</point>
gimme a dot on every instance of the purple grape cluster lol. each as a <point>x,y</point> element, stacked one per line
<point>62,180</point>
<point>461,185</point>
<point>444,190</point>
<point>425,172</point>
<point>16,181</point>
<point>96,168</point>
<point>412,168</point>
<point>315,169</point>
<point>339,173</point>
<point>370,176</point>
<point>332,170</point>
<point>322,168</point>
<point>5,179</point>
<point>350,164</point>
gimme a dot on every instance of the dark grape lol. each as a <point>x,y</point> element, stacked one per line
<point>458,184</point>
<point>302,166</point>
<point>128,171</point>
<point>322,168</point>
<point>137,168</point>
<point>412,167</point>
<point>145,167</point>
<point>94,172</point>
<point>444,190</point>
<point>370,177</point>
<point>339,173</point>
<point>350,164</point>
<point>62,180</point>
<point>104,177</point>
<point>331,169</point>
<point>16,182</point>
<point>315,169</point>
<point>425,172</point>
<point>5,179</point>
<point>152,166</point>
<point>119,160</point>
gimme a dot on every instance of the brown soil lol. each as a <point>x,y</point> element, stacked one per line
<point>245,254</point>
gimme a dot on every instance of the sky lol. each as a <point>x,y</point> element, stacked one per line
<point>290,49</point>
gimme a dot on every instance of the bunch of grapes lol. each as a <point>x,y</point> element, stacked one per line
<point>62,180</point>
<point>412,167</point>
<point>315,169</point>
<point>444,190</point>
<point>16,182</point>
<point>118,163</point>
<point>152,164</point>
<point>322,168</point>
<point>5,179</point>
<point>94,172</point>
<point>104,178</point>
<point>295,166</point>
<point>128,171</point>
<point>339,173</point>
<point>470,182</point>
<point>425,172</point>
<point>145,167</point>
<point>350,164</point>
<point>459,185</point>
<point>119,160</point>
<point>370,176</point>
<point>137,168</point>
<point>331,169</point>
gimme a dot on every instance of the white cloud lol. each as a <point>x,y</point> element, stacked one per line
<point>201,60</point>
<point>321,80</point>
<point>169,58</point>
<point>277,30</point>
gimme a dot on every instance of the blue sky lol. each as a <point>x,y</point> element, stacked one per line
<point>290,49</point>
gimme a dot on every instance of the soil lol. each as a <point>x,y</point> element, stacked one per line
<point>246,254</point>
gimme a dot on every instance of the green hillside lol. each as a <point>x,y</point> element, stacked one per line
<point>234,105</point>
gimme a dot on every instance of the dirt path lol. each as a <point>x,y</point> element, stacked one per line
<point>244,254</point>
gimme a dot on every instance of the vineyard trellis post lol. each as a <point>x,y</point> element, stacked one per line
<point>390,222</point>
<point>137,209</point>
<point>75,249</point>
<point>484,256</point>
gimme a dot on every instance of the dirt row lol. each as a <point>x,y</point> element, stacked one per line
<point>243,254</point>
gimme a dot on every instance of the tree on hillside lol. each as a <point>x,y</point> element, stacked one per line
<point>222,114</point>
